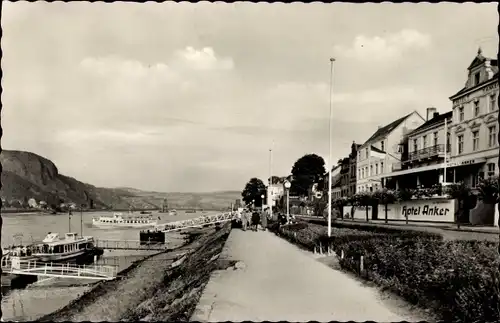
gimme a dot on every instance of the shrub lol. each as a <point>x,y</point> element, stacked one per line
<point>458,279</point>
<point>488,189</point>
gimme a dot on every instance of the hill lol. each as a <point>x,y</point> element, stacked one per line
<point>27,175</point>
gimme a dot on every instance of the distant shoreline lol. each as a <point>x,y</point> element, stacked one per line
<point>40,212</point>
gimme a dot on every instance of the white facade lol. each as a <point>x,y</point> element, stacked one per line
<point>373,164</point>
<point>474,130</point>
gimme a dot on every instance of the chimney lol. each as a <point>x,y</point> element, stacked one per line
<point>430,113</point>
<point>436,114</point>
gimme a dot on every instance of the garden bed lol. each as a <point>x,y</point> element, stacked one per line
<point>458,280</point>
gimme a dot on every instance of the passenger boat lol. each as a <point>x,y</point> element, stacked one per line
<point>21,252</point>
<point>118,220</point>
<point>53,248</point>
<point>172,212</point>
<point>190,211</point>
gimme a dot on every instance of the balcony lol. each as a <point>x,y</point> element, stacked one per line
<point>427,153</point>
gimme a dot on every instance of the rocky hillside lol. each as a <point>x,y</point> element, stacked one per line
<point>27,175</point>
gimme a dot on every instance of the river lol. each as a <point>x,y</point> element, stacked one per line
<point>48,295</point>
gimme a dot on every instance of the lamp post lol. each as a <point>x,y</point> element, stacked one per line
<point>330,154</point>
<point>287,185</point>
<point>262,203</point>
<point>269,191</point>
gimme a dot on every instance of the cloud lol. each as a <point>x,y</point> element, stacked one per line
<point>391,46</point>
<point>197,105</point>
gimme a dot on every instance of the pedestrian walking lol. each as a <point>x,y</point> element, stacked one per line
<point>255,220</point>
<point>244,220</point>
<point>263,219</point>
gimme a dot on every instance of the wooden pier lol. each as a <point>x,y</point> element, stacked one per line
<point>36,268</point>
<point>128,245</point>
<point>195,223</point>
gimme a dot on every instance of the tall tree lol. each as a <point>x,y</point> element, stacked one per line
<point>307,170</point>
<point>253,191</point>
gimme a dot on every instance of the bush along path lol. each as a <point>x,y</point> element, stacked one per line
<point>458,280</point>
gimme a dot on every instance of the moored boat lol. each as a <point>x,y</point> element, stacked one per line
<point>53,248</point>
<point>119,220</point>
<point>172,212</point>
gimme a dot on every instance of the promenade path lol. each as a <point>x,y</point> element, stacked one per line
<point>279,282</point>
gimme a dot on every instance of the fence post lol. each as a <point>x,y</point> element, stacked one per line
<point>45,270</point>
<point>361,264</point>
<point>320,248</point>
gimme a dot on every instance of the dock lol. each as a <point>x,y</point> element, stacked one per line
<point>128,245</point>
<point>62,270</point>
<point>195,223</point>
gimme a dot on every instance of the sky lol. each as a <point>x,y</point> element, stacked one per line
<point>191,97</point>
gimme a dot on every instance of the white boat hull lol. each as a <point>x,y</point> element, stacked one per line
<point>60,256</point>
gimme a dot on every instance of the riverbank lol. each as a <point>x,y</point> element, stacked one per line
<point>163,287</point>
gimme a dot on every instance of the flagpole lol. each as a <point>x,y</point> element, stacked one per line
<point>330,153</point>
<point>445,149</point>
<point>269,192</point>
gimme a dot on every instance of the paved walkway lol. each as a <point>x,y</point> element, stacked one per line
<point>281,282</point>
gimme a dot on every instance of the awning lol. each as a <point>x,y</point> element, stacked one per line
<point>454,163</point>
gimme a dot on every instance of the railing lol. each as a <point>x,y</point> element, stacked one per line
<point>128,245</point>
<point>38,268</point>
<point>428,152</point>
<point>196,222</point>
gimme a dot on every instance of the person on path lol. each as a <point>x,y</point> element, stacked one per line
<point>244,220</point>
<point>263,219</point>
<point>255,220</point>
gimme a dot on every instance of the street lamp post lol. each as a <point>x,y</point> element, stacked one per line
<point>330,153</point>
<point>287,185</point>
<point>262,203</point>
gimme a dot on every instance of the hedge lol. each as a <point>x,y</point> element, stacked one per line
<point>458,280</point>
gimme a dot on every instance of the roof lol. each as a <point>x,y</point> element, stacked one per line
<point>377,150</point>
<point>436,120</point>
<point>466,89</point>
<point>387,129</point>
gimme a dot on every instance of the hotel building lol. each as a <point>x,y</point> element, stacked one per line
<point>382,152</point>
<point>424,153</point>
<point>474,130</point>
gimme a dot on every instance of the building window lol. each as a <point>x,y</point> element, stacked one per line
<point>436,138</point>
<point>461,115</point>
<point>460,144</point>
<point>362,173</point>
<point>415,144</point>
<point>491,169</point>
<point>366,152</point>
<point>493,102</point>
<point>476,108</point>
<point>381,167</point>
<point>371,170</point>
<point>476,79</point>
<point>382,145</point>
<point>492,136</point>
<point>475,140</point>
<point>424,142</point>
<point>376,169</point>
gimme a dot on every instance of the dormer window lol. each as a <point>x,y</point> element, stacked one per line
<point>476,78</point>
<point>382,145</point>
